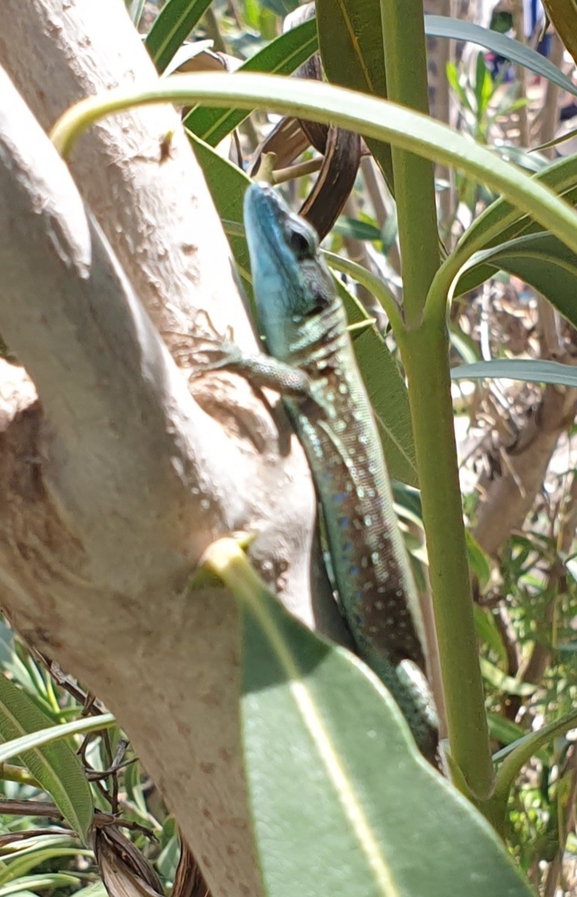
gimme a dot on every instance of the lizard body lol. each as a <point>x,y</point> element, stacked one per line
<point>313,366</point>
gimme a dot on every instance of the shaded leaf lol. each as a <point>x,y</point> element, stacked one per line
<point>341,800</point>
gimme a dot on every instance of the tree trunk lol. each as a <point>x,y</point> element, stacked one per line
<point>116,481</point>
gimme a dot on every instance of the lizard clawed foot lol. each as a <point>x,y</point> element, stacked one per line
<point>210,350</point>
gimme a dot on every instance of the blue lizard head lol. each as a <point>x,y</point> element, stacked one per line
<point>291,282</point>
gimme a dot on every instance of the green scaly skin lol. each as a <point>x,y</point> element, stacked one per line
<point>313,366</point>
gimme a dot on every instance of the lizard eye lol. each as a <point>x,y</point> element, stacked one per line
<point>301,244</point>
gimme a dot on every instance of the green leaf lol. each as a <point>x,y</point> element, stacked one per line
<point>171,27</point>
<point>488,632</point>
<point>458,29</point>
<point>55,766</point>
<point>40,737</point>
<point>328,104</point>
<point>539,259</point>
<point>281,56</point>
<point>501,221</point>
<point>351,47</point>
<point>500,680</point>
<point>358,230</point>
<point>33,883</point>
<point>227,184</point>
<point>478,560</point>
<point>388,396</point>
<point>387,393</point>
<point>530,370</point>
<point>341,800</point>
<point>21,862</point>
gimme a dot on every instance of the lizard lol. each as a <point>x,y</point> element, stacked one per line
<point>311,363</point>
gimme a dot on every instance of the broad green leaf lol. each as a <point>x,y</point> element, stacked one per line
<point>539,259</point>
<point>460,30</point>
<point>281,56</point>
<point>342,802</point>
<point>171,27</point>
<point>55,766</point>
<point>528,369</point>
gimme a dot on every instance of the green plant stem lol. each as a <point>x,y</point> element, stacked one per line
<point>406,68</point>
<point>425,354</point>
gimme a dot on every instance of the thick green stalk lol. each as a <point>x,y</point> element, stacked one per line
<point>425,356</point>
<point>425,351</point>
<point>406,68</point>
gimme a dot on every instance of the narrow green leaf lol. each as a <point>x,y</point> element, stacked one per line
<point>342,802</point>
<point>358,230</point>
<point>498,679</point>
<point>488,632</point>
<point>528,369</point>
<point>135,11</point>
<point>478,560</point>
<point>351,47</point>
<point>55,766</point>
<point>386,390</point>
<point>227,184</point>
<point>539,259</point>
<point>20,864</point>
<point>516,755</point>
<point>502,222</point>
<point>388,395</point>
<point>326,103</point>
<point>281,56</point>
<point>460,30</point>
<point>33,883</point>
<point>40,737</point>
<point>171,27</point>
